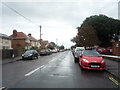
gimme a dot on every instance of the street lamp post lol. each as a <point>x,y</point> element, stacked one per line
<point>40,34</point>
<point>40,31</point>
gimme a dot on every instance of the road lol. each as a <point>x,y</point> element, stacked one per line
<point>53,71</point>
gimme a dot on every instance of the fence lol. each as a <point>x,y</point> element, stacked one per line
<point>10,53</point>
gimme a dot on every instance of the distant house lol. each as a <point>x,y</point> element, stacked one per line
<point>34,43</point>
<point>22,41</point>
<point>51,45</point>
<point>44,44</point>
<point>5,41</point>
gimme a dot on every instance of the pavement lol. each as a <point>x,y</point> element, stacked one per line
<point>112,66</point>
<point>10,60</point>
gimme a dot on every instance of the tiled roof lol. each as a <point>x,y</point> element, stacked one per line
<point>20,35</point>
<point>3,35</point>
<point>44,42</point>
<point>32,38</point>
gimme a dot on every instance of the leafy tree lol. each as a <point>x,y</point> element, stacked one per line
<point>104,28</point>
<point>61,47</point>
<point>87,36</point>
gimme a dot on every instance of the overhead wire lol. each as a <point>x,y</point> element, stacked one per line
<point>20,14</point>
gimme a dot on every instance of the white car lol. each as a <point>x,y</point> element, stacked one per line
<point>79,49</point>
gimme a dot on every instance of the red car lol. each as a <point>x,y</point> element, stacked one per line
<point>107,50</point>
<point>101,50</point>
<point>92,60</point>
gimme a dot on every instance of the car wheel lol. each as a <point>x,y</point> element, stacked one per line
<point>37,57</point>
<point>80,64</point>
<point>75,60</point>
<point>32,57</point>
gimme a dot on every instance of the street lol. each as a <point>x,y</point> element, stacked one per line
<point>53,71</point>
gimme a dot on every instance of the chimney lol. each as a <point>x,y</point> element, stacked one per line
<point>14,33</point>
<point>29,35</point>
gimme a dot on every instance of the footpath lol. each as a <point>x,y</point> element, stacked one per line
<point>113,66</point>
<point>10,60</point>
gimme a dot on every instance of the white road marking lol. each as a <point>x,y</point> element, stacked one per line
<point>34,70</point>
<point>115,81</point>
<point>2,88</point>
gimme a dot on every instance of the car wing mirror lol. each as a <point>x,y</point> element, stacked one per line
<point>80,55</point>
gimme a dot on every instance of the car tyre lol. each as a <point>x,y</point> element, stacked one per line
<point>37,57</point>
<point>32,57</point>
<point>75,60</point>
<point>80,64</point>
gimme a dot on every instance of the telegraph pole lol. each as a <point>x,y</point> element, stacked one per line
<point>40,33</point>
<point>56,41</point>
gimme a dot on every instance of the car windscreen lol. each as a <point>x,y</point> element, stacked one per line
<point>91,54</point>
<point>28,52</point>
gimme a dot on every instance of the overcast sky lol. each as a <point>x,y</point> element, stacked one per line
<point>58,18</point>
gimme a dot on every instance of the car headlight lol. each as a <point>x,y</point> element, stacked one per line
<point>30,55</point>
<point>103,61</point>
<point>85,60</point>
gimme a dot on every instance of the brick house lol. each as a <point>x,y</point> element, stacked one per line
<point>34,43</point>
<point>116,48</point>
<point>5,41</point>
<point>22,41</point>
<point>44,44</point>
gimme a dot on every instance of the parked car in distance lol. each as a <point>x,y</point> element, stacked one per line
<point>79,49</point>
<point>73,51</point>
<point>92,60</point>
<point>30,54</point>
<point>54,51</point>
<point>102,50</point>
<point>77,53</point>
<point>48,51</point>
<point>45,52</point>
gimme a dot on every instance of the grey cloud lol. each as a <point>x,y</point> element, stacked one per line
<point>72,13</point>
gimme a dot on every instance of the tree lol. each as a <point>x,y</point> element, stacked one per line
<point>61,47</point>
<point>87,36</point>
<point>104,28</point>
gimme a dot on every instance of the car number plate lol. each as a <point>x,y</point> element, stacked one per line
<point>95,66</point>
<point>25,56</point>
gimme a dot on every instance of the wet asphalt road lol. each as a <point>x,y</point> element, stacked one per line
<point>54,71</point>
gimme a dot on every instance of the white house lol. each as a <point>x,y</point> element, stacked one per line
<point>5,41</point>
